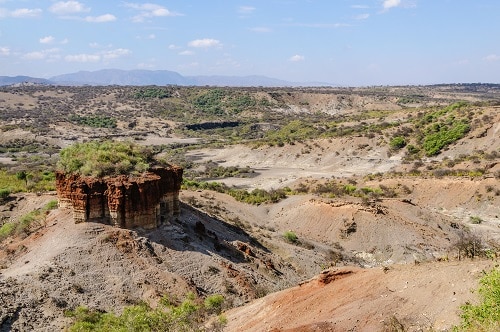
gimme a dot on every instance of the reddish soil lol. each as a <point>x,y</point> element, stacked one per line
<point>421,297</point>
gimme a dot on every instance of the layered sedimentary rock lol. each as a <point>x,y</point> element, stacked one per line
<point>124,201</point>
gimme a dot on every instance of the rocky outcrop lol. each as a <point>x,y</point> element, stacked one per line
<point>124,201</point>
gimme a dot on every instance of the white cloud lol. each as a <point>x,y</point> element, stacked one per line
<point>101,19</point>
<point>34,56</point>
<point>151,36</point>
<point>82,58</point>
<point>388,4</point>
<point>492,57</point>
<point>205,43</point>
<point>64,41</point>
<point>25,13</point>
<point>391,4</point>
<point>360,6</point>
<point>4,51</point>
<point>362,16</point>
<point>297,58</point>
<point>114,54</point>
<point>51,53</point>
<point>149,10</point>
<point>260,29</point>
<point>68,7</point>
<point>173,47</point>
<point>319,25</point>
<point>47,40</point>
<point>246,10</point>
<point>186,53</point>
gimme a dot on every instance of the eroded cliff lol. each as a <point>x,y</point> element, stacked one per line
<point>124,201</point>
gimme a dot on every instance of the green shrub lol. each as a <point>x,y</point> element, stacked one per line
<point>104,158</point>
<point>256,196</point>
<point>35,180</point>
<point>187,316</point>
<point>52,205</point>
<point>443,136</point>
<point>484,316</point>
<point>28,221</point>
<point>219,102</point>
<point>290,236</point>
<point>95,121</point>
<point>11,182</point>
<point>7,230</point>
<point>475,219</point>
<point>214,303</point>
<point>349,189</point>
<point>4,193</point>
<point>412,149</point>
<point>152,93</point>
<point>397,143</point>
<point>295,130</point>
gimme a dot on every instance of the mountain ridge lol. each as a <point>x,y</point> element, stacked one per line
<point>139,77</point>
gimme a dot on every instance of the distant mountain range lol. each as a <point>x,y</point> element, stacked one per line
<point>7,80</point>
<point>151,77</point>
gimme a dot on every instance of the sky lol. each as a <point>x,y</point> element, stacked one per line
<point>344,42</point>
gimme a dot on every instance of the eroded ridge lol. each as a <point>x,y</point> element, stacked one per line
<point>145,200</point>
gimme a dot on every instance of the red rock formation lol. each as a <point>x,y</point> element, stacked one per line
<point>124,201</point>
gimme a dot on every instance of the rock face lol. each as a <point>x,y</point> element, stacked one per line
<point>123,201</point>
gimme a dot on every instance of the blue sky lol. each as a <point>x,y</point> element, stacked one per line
<point>346,42</point>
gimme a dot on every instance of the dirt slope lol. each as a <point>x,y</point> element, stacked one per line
<point>63,265</point>
<point>420,297</point>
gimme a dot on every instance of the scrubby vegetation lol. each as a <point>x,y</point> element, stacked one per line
<point>484,316</point>
<point>440,128</point>
<point>290,236</point>
<point>149,93</point>
<point>27,223</point>
<point>335,188</point>
<point>398,142</point>
<point>223,102</point>
<point>191,315</point>
<point>95,121</point>
<point>105,158</point>
<point>25,181</point>
<point>256,196</point>
<point>440,136</point>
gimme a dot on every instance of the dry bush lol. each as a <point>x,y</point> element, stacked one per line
<point>469,245</point>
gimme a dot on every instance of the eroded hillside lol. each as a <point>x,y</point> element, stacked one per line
<point>279,184</point>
